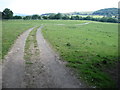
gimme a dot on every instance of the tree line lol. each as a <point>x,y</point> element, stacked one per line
<point>8,14</point>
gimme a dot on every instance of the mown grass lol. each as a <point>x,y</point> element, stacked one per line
<point>89,49</point>
<point>31,43</point>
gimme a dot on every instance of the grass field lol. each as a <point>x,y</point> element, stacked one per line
<point>89,49</point>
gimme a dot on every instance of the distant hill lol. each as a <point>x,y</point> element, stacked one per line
<point>47,14</point>
<point>107,12</point>
<point>79,13</point>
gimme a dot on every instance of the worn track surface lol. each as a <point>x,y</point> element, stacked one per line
<point>13,65</point>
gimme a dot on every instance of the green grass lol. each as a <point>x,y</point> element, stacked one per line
<point>31,43</point>
<point>11,29</point>
<point>28,63</point>
<point>89,49</point>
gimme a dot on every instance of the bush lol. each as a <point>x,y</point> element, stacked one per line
<point>27,18</point>
<point>17,17</point>
<point>35,16</point>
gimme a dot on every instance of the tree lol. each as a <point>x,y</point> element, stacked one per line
<point>113,20</point>
<point>7,14</point>
<point>65,17</point>
<point>35,16</point>
<point>80,18</point>
<point>39,17</point>
<point>75,17</point>
<point>72,18</point>
<point>58,16</point>
<point>88,18</point>
<point>17,17</point>
<point>103,19</point>
<point>27,18</point>
<point>45,17</point>
<point>52,16</point>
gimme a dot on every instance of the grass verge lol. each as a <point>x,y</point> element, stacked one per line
<point>31,46</point>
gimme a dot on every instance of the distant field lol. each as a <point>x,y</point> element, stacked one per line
<point>89,49</point>
<point>96,16</point>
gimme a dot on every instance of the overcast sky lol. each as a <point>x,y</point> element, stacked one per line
<point>55,6</point>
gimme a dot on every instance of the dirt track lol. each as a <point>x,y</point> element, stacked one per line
<point>55,73</point>
<point>47,71</point>
<point>13,66</point>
